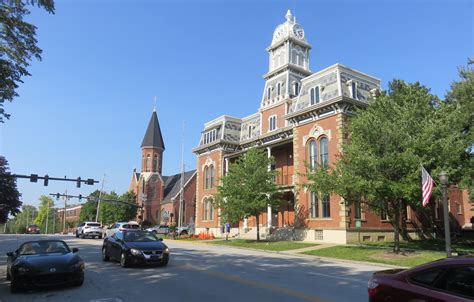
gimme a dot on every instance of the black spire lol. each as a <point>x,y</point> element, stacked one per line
<point>153,137</point>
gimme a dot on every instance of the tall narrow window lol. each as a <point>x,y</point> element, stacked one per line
<point>205,209</point>
<point>211,176</point>
<point>313,206</point>
<point>272,123</point>
<point>326,206</point>
<point>206,177</point>
<point>269,93</point>
<point>312,154</point>
<point>279,89</point>
<point>354,90</point>
<point>323,150</point>
<point>155,163</point>
<point>296,88</point>
<point>210,211</point>
<point>250,131</point>
<point>148,163</point>
<point>314,95</point>
<point>357,210</point>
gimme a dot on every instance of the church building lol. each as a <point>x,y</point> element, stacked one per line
<point>161,195</point>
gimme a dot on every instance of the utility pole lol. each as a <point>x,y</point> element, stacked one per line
<point>47,215</point>
<point>98,203</point>
<point>443,177</point>
<point>181,194</point>
<point>64,213</point>
<point>54,221</point>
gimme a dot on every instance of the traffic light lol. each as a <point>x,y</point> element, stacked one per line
<point>34,178</point>
<point>80,197</point>
<point>46,180</point>
<point>57,195</point>
<point>90,181</point>
<point>78,184</point>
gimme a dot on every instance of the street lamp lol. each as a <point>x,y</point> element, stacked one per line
<point>443,178</point>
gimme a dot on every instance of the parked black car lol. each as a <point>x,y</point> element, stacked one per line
<point>135,247</point>
<point>44,263</point>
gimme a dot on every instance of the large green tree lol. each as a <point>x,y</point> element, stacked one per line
<point>112,207</point>
<point>9,196</point>
<point>18,224</point>
<point>401,129</point>
<point>18,45</point>
<point>248,188</point>
<point>47,218</point>
<point>460,115</point>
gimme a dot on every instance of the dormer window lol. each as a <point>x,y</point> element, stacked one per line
<point>354,90</point>
<point>296,88</point>
<point>210,136</point>
<point>272,123</point>
<point>314,95</point>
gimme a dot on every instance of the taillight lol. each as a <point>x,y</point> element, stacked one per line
<point>86,227</point>
<point>373,287</point>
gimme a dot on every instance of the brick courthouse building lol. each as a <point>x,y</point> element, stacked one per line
<point>300,120</point>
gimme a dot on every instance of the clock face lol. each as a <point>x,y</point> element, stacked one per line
<point>298,31</point>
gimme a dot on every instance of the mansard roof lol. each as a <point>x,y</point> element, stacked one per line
<point>153,137</point>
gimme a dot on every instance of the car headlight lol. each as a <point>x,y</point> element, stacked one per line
<point>79,265</point>
<point>22,270</point>
<point>135,252</point>
<point>167,250</point>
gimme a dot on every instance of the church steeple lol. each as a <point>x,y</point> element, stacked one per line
<point>152,146</point>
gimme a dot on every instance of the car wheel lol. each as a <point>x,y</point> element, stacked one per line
<point>77,235</point>
<point>15,287</point>
<point>105,257</point>
<point>123,260</point>
<point>100,236</point>
<point>82,236</point>
<point>165,262</point>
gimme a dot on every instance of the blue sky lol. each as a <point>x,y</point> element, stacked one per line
<point>85,109</point>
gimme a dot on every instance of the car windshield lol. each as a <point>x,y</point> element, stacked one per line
<point>43,247</point>
<point>131,226</point>
<point>139,237</point>
<point>94,224</point>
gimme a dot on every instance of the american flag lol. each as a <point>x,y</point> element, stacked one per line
<point>426,186</point>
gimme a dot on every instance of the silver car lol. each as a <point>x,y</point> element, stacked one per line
<point>121,226</point>
<point>159,229</point>
<point>89,229</point>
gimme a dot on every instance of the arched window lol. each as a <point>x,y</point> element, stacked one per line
<point>313,205</point>
<point>278,89</point>
<point>148,163</point>
<point>323,151</point>
<point>272,123</point>
<point>313,157</point>
<point>155,162</point>
<point>211,176</point>
<point>314,95</point>
<point>205,209</point>
<point>296,88</point>
<point>206,177</point>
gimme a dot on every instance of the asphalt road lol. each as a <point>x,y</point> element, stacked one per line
<point>200,272</point>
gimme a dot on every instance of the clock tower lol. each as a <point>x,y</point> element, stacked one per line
<point>288,62</point>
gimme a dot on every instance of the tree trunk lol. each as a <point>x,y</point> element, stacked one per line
<point>396,227</point>
<point>258,227</point>
<point>403,228</point>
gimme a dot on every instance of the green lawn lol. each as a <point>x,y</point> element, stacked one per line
<point>428,244</point>
<point>264,245</point>
<point>375,254</point>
